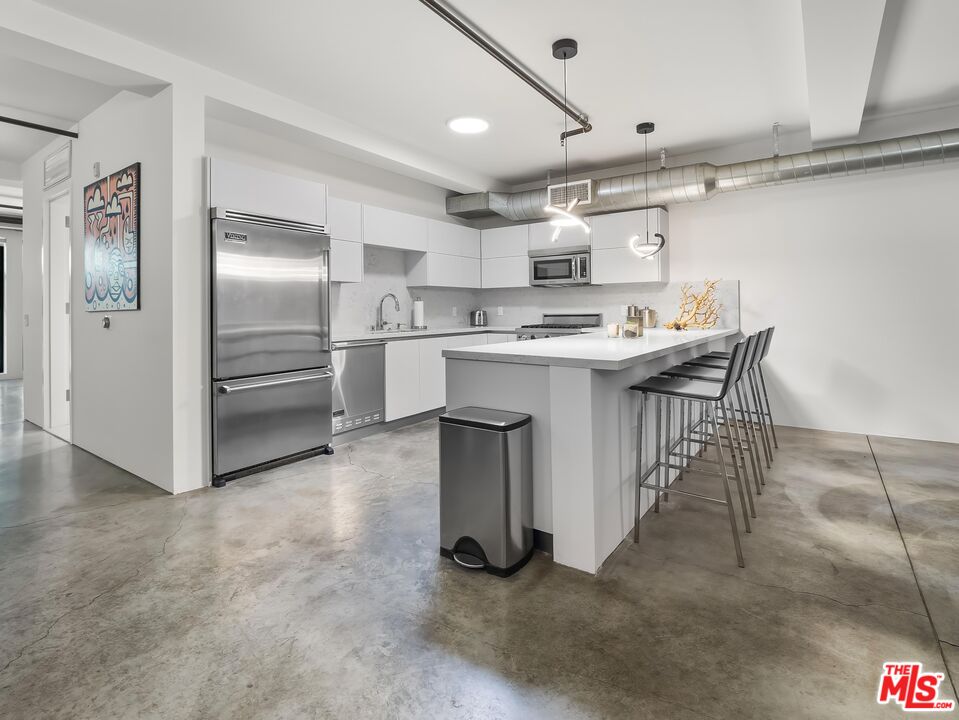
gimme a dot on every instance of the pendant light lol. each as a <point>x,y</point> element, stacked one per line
<point>565,217</point>
<point>648,248</point>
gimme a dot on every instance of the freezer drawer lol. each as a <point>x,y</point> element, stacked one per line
<point>262,419</point>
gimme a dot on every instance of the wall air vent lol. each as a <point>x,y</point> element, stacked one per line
<point>581,190</point>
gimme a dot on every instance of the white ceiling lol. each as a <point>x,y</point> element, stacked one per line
<point>42,95</point>
<point>708,73</point>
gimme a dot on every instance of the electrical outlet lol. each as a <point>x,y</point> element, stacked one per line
<point>455,311</point>
<point>499,310</point>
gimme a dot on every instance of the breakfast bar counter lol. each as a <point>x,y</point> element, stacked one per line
<point>576,388</point>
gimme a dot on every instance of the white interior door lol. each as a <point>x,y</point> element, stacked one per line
<point>59,278</point>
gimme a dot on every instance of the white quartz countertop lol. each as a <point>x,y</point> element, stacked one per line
<point>590,350</point>
<point>429,332</point>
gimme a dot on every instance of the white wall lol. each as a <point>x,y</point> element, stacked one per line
<point>122,377</point>
<point>35,405</point>
<point>859,277</point>
<point>13,302</point>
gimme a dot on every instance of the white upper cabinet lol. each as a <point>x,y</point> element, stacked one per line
<point>249,189</point>
<point>512,241</point>
<point>506,272</point>
<point>614,230</point>
<point>439,270</point>
<point>612,259</point>
<point>451,239</point>
<point>392,229</point>
<point>541,238</point>
<point>346,261</point>
<point>344,219</point>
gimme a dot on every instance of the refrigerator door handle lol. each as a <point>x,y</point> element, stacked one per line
<point>230,389</point>
<point>328,320</point>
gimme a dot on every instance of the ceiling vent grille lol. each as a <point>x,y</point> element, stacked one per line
<point>582,190</point>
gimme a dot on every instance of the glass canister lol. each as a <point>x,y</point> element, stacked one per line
<point>633,327</point>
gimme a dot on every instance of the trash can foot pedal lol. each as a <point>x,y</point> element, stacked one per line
<point>468,561</point>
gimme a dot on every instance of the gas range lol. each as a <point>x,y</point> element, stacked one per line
<point>555,325</point>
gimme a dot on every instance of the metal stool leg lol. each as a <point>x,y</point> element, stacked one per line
<point>659,448</point>
<point>764,432</point>
<point>769,410</point>
<point>639,463</point>
<point>738,453</point>
<point>750,428</point>
<point>669,447</point>
<point>737,477</point>
<point>711,413</point>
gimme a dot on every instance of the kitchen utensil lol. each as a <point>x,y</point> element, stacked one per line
<point>478,318</point>
<point>649,316</point>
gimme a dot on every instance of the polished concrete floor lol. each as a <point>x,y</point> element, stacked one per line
<point>316,590</point>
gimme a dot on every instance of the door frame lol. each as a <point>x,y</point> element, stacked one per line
<point>46,268</point>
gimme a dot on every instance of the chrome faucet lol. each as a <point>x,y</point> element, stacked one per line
<point>380,325</point>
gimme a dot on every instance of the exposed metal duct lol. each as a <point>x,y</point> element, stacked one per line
<point>700,181</point>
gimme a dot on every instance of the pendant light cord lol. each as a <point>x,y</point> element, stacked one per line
<point>565,130</point>
<point>646,179</point>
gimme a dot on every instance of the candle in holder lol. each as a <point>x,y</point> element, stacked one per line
<point>612,330</point>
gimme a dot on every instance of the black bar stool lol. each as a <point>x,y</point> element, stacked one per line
<point>767,410</point>
<point>709,396</point>
<point>745,440</point>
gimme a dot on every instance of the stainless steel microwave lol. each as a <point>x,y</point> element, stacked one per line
<point>552,268</point>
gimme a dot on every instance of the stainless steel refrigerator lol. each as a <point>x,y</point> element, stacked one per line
<point>271,344</point>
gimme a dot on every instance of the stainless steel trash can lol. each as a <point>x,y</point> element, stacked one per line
<point>486,489</point>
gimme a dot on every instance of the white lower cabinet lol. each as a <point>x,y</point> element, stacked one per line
<point>506,272</point>
<point>416,373</point>
<point>433,366</point>
<point>402,379</point>
<point>346,261</point>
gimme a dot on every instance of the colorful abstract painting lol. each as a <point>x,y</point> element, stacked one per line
<point>111,241</point>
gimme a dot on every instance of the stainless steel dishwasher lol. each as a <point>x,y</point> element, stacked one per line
<point>358,385</point>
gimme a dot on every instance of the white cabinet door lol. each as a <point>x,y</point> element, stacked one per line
<point>622,265</point>
<point>512,241</point>
<point>612,259</point>
<point>451,239</point>
<point>344,219</point>
<point>402,379</point>
<point>389,228</point>
<point>249,189</point>
<point>506,272</point>
<point>438,270</point>
<point>615,230</point>
<point>492,338</point>
<point>541,238</point>
<point>432,373</point>
<point>433,366</point>
<point>346,261</point>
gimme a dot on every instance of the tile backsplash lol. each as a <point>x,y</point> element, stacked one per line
<point>355,304</point>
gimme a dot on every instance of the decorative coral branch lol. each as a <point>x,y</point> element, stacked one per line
<point>699,311</point>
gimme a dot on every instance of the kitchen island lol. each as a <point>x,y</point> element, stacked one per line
<point>576,388</point>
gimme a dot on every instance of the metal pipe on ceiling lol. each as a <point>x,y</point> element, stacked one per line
<point>700,181</point>
<point>489,46</point>
<point>37,126</point>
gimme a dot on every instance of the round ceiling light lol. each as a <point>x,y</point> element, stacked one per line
<point>468,125</point>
